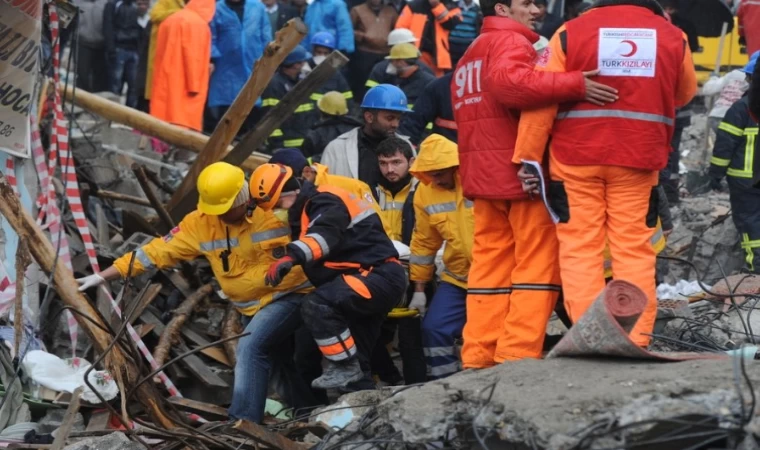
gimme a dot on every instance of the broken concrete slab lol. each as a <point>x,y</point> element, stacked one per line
<point>114,441</point>
<point>54,418</point>
<point>555,404</point>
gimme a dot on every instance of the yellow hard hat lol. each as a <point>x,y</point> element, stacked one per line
<point>266,184</point>
<point>404,51</point>
<point>218,186</point>
<point>333,103</point>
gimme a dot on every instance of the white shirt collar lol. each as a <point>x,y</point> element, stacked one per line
<point>273,8</point>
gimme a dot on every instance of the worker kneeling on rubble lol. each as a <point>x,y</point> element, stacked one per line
<point>340,242</point>
<point>442,216</point>
<point>239,245</point>
<point>604,160</point>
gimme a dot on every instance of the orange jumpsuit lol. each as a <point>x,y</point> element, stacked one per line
<point>604,160</point>
<point>181,66</point>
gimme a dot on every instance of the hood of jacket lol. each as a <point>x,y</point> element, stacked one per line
<point>436,153</point>
<point>204,8</point>
<point>165,8</point>
<point>496,23</point>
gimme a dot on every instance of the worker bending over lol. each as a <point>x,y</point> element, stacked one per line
<point>604,160</point>
<point>733,158</point>
<point>442,216</point>
<point>340,242</point>
<point>239,246</point>
<point>514,279</point>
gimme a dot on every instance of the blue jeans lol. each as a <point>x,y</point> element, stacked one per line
<point>441,327</point>
<point>271,329</point>
<point>123,69</point>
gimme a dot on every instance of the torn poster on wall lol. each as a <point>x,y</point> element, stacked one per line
<point>19,57</point>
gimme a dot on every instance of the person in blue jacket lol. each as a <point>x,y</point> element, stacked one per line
<point>332,16</point>
<point>240,30</point>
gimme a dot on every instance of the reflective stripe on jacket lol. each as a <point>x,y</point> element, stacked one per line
<point>396,209</point>
<point>440,216</point>
<point>736,137</point>
<point>414,17</point>
<point>336,233</point>
<point>253,245</point>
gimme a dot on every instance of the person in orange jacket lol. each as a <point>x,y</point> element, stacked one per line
<point>431,22</point>
<point>604,160</point>
<point>182,65</point>
<point>513,282</point>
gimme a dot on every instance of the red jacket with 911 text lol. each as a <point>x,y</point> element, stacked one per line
<point>493,81</point>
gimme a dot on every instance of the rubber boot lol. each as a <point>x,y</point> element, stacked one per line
<point>339,374</point>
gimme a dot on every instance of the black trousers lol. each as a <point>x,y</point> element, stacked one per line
<point>338,309</point>
<point>745,211</point>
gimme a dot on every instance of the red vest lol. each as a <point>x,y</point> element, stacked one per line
<point>640,54</point>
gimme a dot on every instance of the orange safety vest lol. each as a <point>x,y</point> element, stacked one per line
<point>641,55</point>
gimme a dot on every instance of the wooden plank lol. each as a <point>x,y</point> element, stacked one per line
<point>144,329</point>
<point>100,193</point>
<point>198,368</point>
<point>68,421</point>
<point>172,134</point>
<point>118,365</point>
<point>215,353</point>
<point>266,437</point>
<point>287,106</point>
<point>142,178</point>
<point>285,40</point>
<point>147,298</point>
<point>150,317</point>
<point>207,410</point>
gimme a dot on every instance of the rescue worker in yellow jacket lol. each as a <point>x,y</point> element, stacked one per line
<point>320,175</point>
<point>239,246</point>
<point>396,187</point>
<point>442,216</point>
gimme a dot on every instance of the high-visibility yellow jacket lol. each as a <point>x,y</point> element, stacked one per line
<point>392,208</point>
<point>440,216</point>
<point>658,240</point>
<point>352,185</point>
<point>254,245</point>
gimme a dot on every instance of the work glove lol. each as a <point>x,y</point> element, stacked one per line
<point>715,184</point>
<point>278,270</point>
<point>419,302</point>
<point>89,281</point>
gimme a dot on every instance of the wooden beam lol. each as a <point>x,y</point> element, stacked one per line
<point>171,335</point>
<point>68,421</point>
<point>172,134</point>
<point>142,179</point>
<point>287,105</point>
<point>199,368</point>
<point>215,353</point>
<point>266,437</point>
<point>116,362</point>
<point>231,326</point>
<point>206,410</point>
<point>121,197</point>
<point>285,40</point>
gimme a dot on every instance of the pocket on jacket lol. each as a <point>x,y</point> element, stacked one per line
<point>558,200</point>
<point>654,199</point>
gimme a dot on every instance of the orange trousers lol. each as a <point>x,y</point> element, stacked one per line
<point>513,283</point>
<point>609,202</point>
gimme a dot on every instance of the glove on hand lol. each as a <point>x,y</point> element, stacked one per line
<point>90,281</point>
<point>419,302</point>
<point>715,184</point>
<point>278,270</point>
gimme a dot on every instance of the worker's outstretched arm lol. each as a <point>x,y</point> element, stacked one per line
<point>426,241</point>
<point>179,245</point>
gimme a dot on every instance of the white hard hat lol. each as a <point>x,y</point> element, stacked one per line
<point>401,36</point>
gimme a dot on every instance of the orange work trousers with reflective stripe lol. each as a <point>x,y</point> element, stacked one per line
<point>609,202</point>
<point>513,283</point>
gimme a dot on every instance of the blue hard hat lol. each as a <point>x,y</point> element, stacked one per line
<point>299,54</point>
<point>324,39</point>
<point>386,97</point>
<point>749,69</point>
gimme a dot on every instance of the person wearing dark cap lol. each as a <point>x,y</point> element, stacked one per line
<point>546,23</point>
<point>293,130</point>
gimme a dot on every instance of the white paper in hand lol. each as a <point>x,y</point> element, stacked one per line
<point>542,188</point>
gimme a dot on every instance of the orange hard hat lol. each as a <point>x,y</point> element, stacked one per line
<point>266,184</point>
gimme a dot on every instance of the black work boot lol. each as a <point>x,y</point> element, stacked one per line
<point>339,374</point>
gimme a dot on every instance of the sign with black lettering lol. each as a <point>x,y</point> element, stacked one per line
<point>19,59</point>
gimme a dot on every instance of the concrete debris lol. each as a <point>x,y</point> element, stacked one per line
<point>562,404</point>
<point>113,441</point>
<point>54,418</point>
